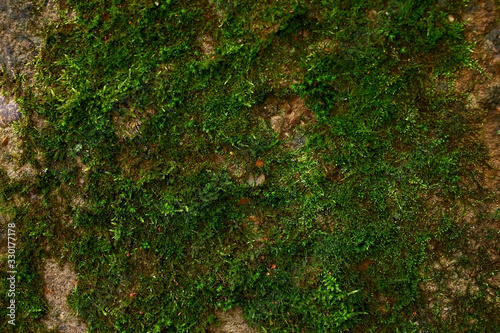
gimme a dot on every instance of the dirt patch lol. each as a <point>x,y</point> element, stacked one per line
<point>220,9</point>
<point>236,169</point>
<point>59,282</point>
<point>483,29</point>
<point>491,137</point>
<point>459,282</point>
<point>285,115</point>
<point>231,321</point>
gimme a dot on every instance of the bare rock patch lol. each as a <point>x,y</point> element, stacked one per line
<point>231,321</point>
<point>59,282</point>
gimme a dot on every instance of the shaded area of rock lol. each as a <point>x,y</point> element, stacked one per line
<point>298,141</point>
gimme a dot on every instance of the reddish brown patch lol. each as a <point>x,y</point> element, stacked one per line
<point>365,264</point>
<point>456,280</point>
<point>254,219</point>
<point>243,201</point>
<point>294,112</point>
<point>259,163</point>
<point>5,141</point>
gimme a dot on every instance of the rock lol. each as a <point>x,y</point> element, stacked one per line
<point>260,180</point>
<point>235,170</point>
<point>443,87</point>
<point>472,102</point>
<point>251,180</point>
<point>277,123</point>
<point>493,40</point>
<point>207,44</point>
<point>256,181</point>
<point>373,15</point>
<point>21,36</point>
<point>299,141</point>
<point>59,281</point>
<point>126,127</point>
<point>9,112</point>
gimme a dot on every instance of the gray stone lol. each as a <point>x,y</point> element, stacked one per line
<point>9,112</point>
<point>299,140</point>
<point>493,37</point>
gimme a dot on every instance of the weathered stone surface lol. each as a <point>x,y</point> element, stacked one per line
<point>256,180</point>
<point>231,321</point>
<point>9,112</point>
<point>22,24</point>
<point>59,283</point>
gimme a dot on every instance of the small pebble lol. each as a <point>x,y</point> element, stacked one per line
<point>251,180</point>
<point>260,180</point>
<point>256,181</point>
<point>9,112</point>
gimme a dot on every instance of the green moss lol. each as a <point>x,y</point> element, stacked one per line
<point>162,216</point>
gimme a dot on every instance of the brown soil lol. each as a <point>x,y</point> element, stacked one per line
<point>482,27</point>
